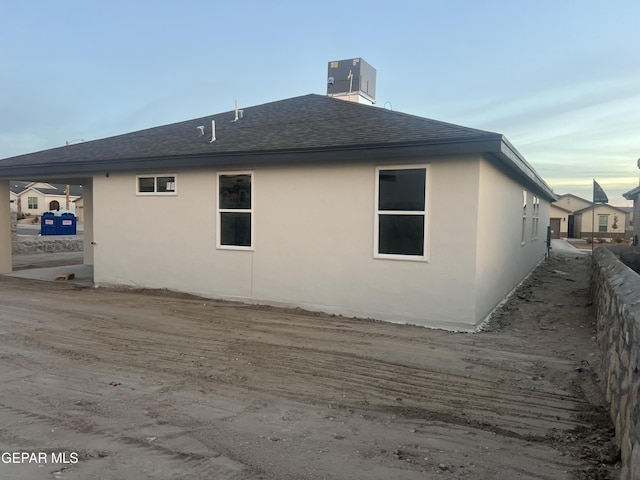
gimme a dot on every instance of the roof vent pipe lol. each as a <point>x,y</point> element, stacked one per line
<point>213,131</point>
<point>239,113</point>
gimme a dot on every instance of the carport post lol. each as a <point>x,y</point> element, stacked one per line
<point>5,229</point>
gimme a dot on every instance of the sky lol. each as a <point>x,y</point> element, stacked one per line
<point>560,79</point>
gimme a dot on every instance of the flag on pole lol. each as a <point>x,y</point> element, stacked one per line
<point>598,194</point>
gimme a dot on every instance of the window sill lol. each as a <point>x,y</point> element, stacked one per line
<point>235,248</point>
<point>402,258</point>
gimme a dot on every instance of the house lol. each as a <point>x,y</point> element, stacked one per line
<point>601,221</point>
<point>312,202</point>
<point>35,198</point>
<point>573,217</point>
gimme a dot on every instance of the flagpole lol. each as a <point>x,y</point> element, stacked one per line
<point>601,198</point>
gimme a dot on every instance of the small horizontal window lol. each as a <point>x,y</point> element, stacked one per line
<point>156,185</point>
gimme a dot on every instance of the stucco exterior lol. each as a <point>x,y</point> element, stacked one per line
<point>5,232</point>
<point>314,237</point>
<point>503,257</point>
<point>572,203</point>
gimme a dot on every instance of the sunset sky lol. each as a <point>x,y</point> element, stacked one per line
<point>561,80</point>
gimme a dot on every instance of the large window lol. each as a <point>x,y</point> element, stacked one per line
<point>401,222</point>
<point>32,203</point>
<point>156,185</point>
<point>235,210</point>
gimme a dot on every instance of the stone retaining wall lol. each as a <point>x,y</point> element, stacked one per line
<point>616,293</point>
<point>47,244</point>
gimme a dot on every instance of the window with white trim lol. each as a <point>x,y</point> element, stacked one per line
<point>534,220</point>
<point>156,184</point>
<point>524,216</point>
<point>32,203</point>
<point>401,212</point>
<point>536,214</point>
<point>235,210</point>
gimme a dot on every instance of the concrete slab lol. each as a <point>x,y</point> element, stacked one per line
<point>562,247</point>
<point>83,274</point>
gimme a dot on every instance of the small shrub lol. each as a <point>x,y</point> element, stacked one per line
<point>21,216</point>
<point>601,240</point>
<point>589,240</point>
<point>617,240</point>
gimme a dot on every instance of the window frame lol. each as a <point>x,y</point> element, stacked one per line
<point>250,210</point>
<point>32,205</point>
<point>535,219</point>
<point>525,202</point>
<point>377,212</point>
<point>155,177</point>
<point>606,223</point>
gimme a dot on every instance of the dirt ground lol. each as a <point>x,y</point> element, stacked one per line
<point>106,384</point>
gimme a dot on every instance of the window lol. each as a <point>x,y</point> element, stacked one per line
<point>603,221</point>
<point>32,203</point>
<point>524,216</point>
<point>400,221</point>
<point>235,210</point>
<point>535,220</point>
<point>156,185</point>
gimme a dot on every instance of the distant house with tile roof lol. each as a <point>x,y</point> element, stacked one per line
<point>311,202</point>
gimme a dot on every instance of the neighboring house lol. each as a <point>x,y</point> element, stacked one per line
<point>35,198</point>
<point>607,221</point>
<point>311,202</point>
<point>634,194</point>
<point>573,215</point>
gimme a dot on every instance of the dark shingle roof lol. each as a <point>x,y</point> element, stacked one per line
<point>310,127</point>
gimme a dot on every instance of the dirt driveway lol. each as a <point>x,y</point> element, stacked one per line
<point>104,384</point>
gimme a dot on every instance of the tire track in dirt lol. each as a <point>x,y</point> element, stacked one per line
<point>166,463</point>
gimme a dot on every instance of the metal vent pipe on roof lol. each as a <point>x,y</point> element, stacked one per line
<point>213,131</point>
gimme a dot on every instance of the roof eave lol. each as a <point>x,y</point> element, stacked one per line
<point>512,159</point>
<point>632,194</point>
<point>290,156</point>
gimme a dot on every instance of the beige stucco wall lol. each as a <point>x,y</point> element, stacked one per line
<point>314,241</point>
<point>502,260</point>
<point>87,220</point>
<point>572,203</point>
<point>13,200</point>
<point>5,230</point>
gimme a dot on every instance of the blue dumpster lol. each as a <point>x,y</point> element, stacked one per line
<point>48,224</point>
<point>67,224</point>
<point>61,224</point>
